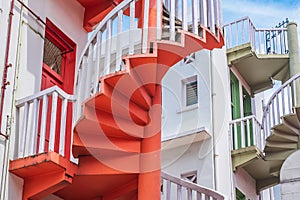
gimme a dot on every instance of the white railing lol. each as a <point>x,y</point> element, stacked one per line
<point>246,132</point>
<point>117,35</point>
<point>281,103</point>
<point>177,189</point>
<point>263,41</point>
<point>122,33</point>
<point>41,122</point>
<point>192,14</point>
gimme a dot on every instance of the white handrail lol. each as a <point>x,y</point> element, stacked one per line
<point>115,37</point>
<point>38,112</point>
<point>246,132</point>
<point>40,94</point>
<point>281,103</point>
<point>263,41</point>
<point>186,190</point>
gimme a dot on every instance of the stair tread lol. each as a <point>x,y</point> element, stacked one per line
<point>126,85</point>
<point>126,110</point>
<point>278,155</point>
<point>291,120</point>
<point>283,128</point>
<point>278,136</point>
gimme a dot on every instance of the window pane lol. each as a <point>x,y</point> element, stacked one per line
<point>52,56</point>
<point>191,93</point>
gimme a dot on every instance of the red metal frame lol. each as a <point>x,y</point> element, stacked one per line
<point>65,80</point>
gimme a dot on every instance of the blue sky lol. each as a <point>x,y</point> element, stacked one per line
<point>263,13</point>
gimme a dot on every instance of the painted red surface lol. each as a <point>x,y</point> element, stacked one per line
<point>64,80</point>
<point>118,139</point>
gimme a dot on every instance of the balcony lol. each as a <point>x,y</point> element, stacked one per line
<point>248,142</point>
<point>43,142</point>
<point>258,55</point>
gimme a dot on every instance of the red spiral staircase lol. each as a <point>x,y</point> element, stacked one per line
<point>117,139</point>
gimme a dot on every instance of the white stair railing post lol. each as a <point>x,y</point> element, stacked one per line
<point>62,138</point>
<point>43,124</point>
<point>53,121</point>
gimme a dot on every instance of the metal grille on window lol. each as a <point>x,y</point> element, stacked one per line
<point>52,56</point>
<point>191,93</point>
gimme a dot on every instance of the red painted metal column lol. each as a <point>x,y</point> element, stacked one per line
<point>149,178</point>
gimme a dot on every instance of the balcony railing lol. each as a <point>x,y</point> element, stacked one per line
<point>41,123</point>
<point>281,103</point>
<point>263,41</point>
<point>177,189</point>
<point>246,132</point>
<point>122,33</point>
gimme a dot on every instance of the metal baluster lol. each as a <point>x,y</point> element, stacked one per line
<point>236,146</point>
<point>119,42</point>
<point>189,194</point>
<point>277,108</point>
<point>243,138</point>
<point>43,124</point>
<point>271,43</point>
<point>248,132</point>
<point>159,19</point>
<point>282,42</point>
<point>254,131</point>
<point>179,192</point>
<point>184,15</point>
<point>62,134</point>
<point>288,87</point>
<point>90,71</point>
<point>145,30</point>
<point>282,99</point>
<point>17,153</point>
<point>273,113</point>
<point>132,26</point>
<point>195,17</point>
<point>168,196</point>
<point>259,41</point>
<point>203,12</point>
<point>108,47</point>
<point>265,42</point>
<point>53,121</point>
<point>172,21</point>
<point>211,16</point>
<point>24,136</point>
<point>237,34</point>
<point>217,12</point>
<point>34,131</point>
<point>98,58</point>
<point>294,93</point>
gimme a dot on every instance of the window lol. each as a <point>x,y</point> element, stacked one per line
<point>190,176</point>
<point>190,91</point>
<point>239,195</point>
<point>52,56</point>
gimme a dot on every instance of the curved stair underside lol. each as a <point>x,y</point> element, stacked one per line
<point>117,140</point>
<point>283,141</point>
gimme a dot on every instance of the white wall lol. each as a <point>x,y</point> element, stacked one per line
<point>26,57</point>
<point>290,177</point>
<point>246,184</point>
<point>194,157</point>
<point>178,119</point>
<point>221,118</point>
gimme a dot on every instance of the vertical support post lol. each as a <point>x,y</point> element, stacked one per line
<point>293,47</point>
<point>149,177</point>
